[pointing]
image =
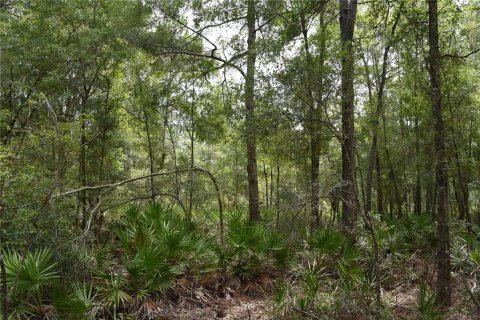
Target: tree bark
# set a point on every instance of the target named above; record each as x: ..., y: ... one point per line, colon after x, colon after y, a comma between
x: 443, y: 233
x: 348, y: 12
x: 253, y: 205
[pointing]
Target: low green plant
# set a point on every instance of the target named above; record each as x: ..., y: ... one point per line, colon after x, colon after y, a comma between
x: 250, y: 249
x: 27, y: 278
x: 113, y: 292
x: 426, y: 307
x: 81, y: 303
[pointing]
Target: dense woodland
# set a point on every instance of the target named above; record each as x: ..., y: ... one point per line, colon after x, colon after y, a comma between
x: 250, y: 159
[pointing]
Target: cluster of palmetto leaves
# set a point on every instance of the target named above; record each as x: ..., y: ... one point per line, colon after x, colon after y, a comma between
x: 154, y: 250
x: 329, y: 277
x: 28, y: 277
x: 335, y: 276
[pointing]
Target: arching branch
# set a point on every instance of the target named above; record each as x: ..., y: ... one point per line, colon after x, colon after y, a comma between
x: 109, y: 187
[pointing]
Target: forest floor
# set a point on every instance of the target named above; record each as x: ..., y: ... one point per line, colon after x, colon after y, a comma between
x: 401, y: 296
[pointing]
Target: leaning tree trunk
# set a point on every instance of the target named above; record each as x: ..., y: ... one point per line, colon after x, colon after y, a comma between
x: 253, y: 206
x: 348, y: 12
x: 443, y: 233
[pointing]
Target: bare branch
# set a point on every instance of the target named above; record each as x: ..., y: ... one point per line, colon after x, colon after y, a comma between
x: 454, y: 56
x: 225, y: 63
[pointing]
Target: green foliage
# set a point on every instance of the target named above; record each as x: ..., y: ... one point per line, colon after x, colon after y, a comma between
x: 158, y: 245
x: 28, y: 277
x: 427, y: 308
x: 30, y: 274
x: 81, y: 303
x: 326, y: 241
x: 113, y: 292
x: 251, y: 249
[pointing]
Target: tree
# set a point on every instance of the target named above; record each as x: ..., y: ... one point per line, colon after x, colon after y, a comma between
x: 253, y: 205
x: 348, y: 13
x: 444, y: 290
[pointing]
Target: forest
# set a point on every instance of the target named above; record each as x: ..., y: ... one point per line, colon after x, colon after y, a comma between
x: 239, y: 159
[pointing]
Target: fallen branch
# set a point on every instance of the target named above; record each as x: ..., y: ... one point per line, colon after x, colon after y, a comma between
x: 110, y: 186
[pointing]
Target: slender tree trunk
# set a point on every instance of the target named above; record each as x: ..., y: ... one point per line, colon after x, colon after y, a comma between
x: 265, y: 175
x: 277, y: 195
x: 271, y: 186
x: 98, y: 216
x: 151, y: 159
x: 392, y: 175
x: 237, y: 178
x: 417, y: 197
x: 253, y: 205
x: 163, y: 156
x: 381, y: 89
x: 192, y: 155
x: 5, y: 307
x: 82, y: 167
x: 443, y: 233
x: 461, y: 190
x: 390, y: 205
x: 348, y: 12
x: 313, y: 131
x: 429, y: 200
x: 380, y: 205
x: 459, y: 199
x: 175, y: 164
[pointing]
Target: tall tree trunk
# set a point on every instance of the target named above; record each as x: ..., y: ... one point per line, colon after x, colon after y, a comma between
x: 443, y: 233
x: 175, y: 164
x: 5, y: 307
x: 380, y: 205
x: 458, y: 198
x: 237, y: 178
x: 265, y: 175
x: 313, y: 129
x: 348, y: 13
x: 82, y: 166
x: 417, y: 190
x: 192, y: 155
x: 253, y: 205
x: 392, y: 175
x: 461, y: 191
x: 381, y: 89
x: 163, y: 156
x: 277, y: 193
x: 151, y: 159
x: 271, y: 186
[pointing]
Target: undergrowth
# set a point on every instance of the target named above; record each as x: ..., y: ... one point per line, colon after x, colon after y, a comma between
x: 154, y: 257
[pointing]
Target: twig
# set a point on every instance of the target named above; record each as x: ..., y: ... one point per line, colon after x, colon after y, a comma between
x: 454, y: 56
x: 307, y: 313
